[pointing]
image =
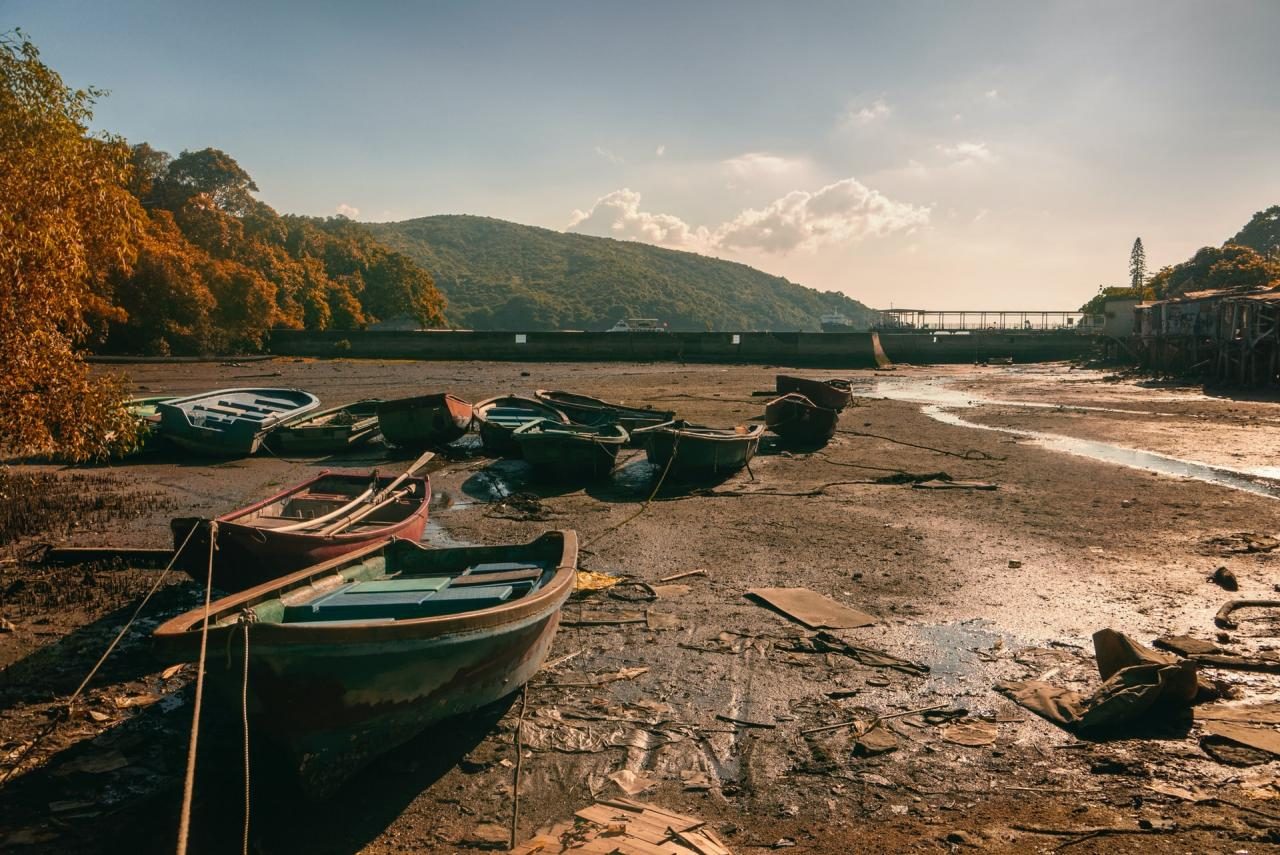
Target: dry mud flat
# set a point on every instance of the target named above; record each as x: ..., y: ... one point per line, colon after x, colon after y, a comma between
x: 710, y: 702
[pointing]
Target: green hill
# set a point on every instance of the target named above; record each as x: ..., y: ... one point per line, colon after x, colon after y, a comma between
x: 502, y: 275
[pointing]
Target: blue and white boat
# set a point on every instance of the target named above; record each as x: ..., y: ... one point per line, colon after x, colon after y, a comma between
x: 230, y: 422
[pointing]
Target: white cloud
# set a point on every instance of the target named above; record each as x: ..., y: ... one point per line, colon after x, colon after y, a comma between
x: 346, y: 210
x: 800, y: 220
x: 608, y: 155
x: 762, y: 164
x: 966, y: 153
x: 992, y: 94
x: 661, y: 150
x: 844, y: 211
x: 865, y: 115
x: 618, y: 215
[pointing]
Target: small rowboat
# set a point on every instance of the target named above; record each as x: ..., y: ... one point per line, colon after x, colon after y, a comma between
x: 831, y: 394
x: 231, y: 422
x: 565, y: 451
x: 797, y: 419
x: 699, y: 451
x: 326, y: 517
x: 585, y: 410
x: 426, y: 421
x: 328, y: 431
x: 351, y: 658
x: 499, y: 417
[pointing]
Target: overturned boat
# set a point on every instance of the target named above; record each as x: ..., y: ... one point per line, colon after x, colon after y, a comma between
x: 425, y: 421
x: 230, y: 422
x: 498, y: 419
x: 351, y: 658
x: 586, y: 410
x: 797, y: 419
x: 322, y: 518
x: 692, y: 451
x: 558, y: 450
x: 833, y: 394
x: 328, y: 431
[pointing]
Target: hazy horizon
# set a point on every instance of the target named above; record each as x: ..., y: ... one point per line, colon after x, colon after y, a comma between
x: 933, y: 155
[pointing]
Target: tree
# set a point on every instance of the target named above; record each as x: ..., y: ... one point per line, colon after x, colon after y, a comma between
x: 1230, y: 267
x: 66, y: 221
x: 213, y: 173
x: 1262, y: 233
x: 1137, y: 265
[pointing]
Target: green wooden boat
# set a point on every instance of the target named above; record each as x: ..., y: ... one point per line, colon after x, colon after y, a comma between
x: 328, y: 431
x: 586, y: 410
x: 696, y: 451
x: 499, y: 417
x: 556, y: 450
x: 426, y: 421
x: 351, y: 658
x: 231, y: 422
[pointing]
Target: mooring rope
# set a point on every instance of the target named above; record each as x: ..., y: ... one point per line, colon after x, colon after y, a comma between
x: 189, y: 784
x: 52, y: 725
x: 675, y: 447
x: 515, y: 789
x: 246, y: 618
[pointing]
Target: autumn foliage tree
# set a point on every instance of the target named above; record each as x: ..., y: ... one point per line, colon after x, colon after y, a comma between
x: 66, y: 221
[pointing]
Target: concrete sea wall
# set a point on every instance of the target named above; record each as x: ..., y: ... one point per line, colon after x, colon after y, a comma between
x: 843, y: 350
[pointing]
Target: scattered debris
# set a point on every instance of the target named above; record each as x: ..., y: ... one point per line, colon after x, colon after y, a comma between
x: 686, y: 574
x: 1268, y: 713
x: 973, y: 734
x: 825, y: 642
x: 604, y: 619
x: 811, y: 609
x: 625, y: 826
x: 1225, y: 579
x: 1223, y: 618
x: 668, y: 592
x: 1237, y: 663
x: 954, y: 485
x: 601, y: 679
x: 742, y: 722
x: 661, y: 620
x: 1243, y: 542
x: 1015, y: 564
x: 877, y: 740
x: 694, y: 780
x: 1136, y: 680
x: 631, y: 783
x: 1186, y: 645
x: 1257, y: 738
x: 7, y: 625
x: 589, y: 580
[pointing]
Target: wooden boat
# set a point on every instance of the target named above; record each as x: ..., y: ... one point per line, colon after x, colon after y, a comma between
x: 499, y: 417
x: 350, y: 658
x: 144, y: 410
x: 700, y: 451
x: 231, y: 422
x: 560, y: 450
x: 426, y: 421
x: 322, y: 518
x: 586, y: 410
x: 327, y: 431
x: 831, y: 394
x: 797, y: 419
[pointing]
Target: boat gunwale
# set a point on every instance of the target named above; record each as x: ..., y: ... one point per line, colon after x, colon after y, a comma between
x: 185, y: 628
x: 481, y: 407
x: 587, y: 402
x: 805, y: 401
x: 697, y: 432
x: 302, y: 420
x: 579, y: 433
x: 231, y: 518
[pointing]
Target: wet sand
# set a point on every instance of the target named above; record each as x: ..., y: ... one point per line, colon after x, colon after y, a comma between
x: 980, y: 586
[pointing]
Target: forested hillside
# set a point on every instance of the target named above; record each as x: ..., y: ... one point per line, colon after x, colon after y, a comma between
x: 502, y: 275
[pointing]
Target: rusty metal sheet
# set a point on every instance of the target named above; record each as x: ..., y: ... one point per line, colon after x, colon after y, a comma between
x: 811, y: 608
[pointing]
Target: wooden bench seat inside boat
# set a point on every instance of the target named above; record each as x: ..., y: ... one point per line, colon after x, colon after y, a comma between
x: 401, y: 598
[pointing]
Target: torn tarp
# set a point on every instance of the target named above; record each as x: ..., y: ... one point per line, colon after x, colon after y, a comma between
x: 1136, y: 679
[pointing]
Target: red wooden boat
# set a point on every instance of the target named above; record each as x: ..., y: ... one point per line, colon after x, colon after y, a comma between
x: 832, y: 394
x: 323, y: 518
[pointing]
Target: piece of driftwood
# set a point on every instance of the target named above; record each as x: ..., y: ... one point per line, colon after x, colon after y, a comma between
x: 1237, y: 663
x: 1223, y: 617
x: 627, y: 827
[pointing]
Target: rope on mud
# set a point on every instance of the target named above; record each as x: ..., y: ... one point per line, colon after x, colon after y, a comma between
x: 515, y: 789
x: 969, y: 454
x: 675, y: 447
x: 189, y: 784
x: 52, y: 725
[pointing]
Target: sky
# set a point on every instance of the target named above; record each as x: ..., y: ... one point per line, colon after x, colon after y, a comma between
x: 933, y: 155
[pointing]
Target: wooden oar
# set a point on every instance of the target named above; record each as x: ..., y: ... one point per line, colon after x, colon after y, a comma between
x: 366, y: 511
x: 367, y: 495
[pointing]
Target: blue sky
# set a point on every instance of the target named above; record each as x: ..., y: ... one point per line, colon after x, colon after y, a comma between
x: 926, y: 154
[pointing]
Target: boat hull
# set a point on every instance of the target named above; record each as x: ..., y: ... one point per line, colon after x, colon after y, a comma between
x: 248, y: 555
x: 499, y: 439
x: 585, y: 410
x: 334, y: 709
x: 426, y: 421
x: 230, y: 422
x: 559, y: 456
x: 821, y: 392
x: 797, y: 419
x: 699, y: 457
x: 313, y: 435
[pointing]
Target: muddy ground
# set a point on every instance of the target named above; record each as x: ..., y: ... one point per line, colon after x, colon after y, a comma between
x: 980, y: 586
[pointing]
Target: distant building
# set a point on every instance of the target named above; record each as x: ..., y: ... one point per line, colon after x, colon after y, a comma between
x: 836, y: 322
x: 652, y: 325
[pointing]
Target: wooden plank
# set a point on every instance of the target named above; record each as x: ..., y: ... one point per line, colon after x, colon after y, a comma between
x: 811, y: 608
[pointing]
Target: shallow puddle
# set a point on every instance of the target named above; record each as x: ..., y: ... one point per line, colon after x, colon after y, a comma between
x: 940, y: 402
